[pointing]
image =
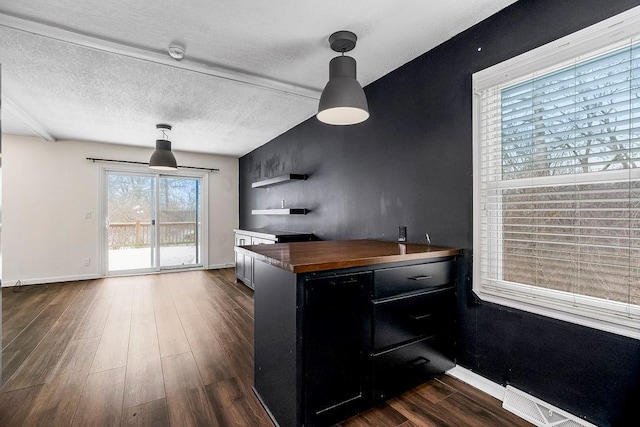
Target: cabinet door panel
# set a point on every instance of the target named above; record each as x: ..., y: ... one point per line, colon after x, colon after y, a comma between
x: 249, y: 271
x: 335, y: 323
x: 244, y: 263
x: 240, y: 266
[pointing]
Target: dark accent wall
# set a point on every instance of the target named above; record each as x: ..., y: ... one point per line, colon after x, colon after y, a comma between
x: 410, y: 164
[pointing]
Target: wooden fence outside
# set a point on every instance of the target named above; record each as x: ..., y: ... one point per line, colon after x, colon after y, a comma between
x: 138, y: 234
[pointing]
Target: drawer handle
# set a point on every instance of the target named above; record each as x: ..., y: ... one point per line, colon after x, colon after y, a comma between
x: 343, y: 282
x: 420, y: 361
x: 420, y: 316
x: 420, y: 278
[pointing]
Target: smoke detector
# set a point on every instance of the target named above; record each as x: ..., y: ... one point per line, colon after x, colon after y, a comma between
x: 176, y: 52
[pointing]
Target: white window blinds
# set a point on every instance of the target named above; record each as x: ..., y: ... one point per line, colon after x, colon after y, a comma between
x: 558, y: 158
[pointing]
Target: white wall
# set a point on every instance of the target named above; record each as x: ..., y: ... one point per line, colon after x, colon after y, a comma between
x: 48, y: 187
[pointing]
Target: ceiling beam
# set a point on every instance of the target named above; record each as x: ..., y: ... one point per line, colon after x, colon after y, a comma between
x: 158, y: 57
x: 10, y: 107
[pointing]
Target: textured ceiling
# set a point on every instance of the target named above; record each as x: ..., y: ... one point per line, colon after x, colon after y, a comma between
x: 67, y: 90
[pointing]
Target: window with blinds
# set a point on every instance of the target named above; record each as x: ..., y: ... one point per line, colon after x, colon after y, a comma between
x: 557, y: 190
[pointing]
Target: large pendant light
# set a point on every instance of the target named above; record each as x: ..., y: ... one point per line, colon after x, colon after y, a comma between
x: 343, y: 101
x: 163, y: 158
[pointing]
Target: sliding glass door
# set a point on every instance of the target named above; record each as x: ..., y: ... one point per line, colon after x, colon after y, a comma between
x: 179, y: 222
x: 152, y: 222
x: 130, y: 222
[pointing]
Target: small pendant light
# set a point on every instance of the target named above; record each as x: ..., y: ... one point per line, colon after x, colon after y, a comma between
x: 163, y: 158
x: 343, y: 101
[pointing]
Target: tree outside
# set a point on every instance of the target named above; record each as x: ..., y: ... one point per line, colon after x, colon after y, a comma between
x: 579, y: 236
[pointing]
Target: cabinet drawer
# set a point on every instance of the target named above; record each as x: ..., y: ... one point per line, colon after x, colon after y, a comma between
x: 397, y: 280
x: 410, y: 317
x: 260, y: 241
x: 403, y: 368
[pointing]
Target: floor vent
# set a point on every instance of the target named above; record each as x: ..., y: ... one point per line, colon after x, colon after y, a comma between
x: 538, y: 412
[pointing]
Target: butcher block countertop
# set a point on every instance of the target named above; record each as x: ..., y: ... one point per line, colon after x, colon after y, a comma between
x: 305, y: 257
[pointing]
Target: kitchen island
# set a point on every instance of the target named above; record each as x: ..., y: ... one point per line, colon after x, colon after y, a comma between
x: 340, y: 325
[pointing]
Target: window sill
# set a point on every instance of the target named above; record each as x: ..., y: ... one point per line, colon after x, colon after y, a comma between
x: 590, y: 317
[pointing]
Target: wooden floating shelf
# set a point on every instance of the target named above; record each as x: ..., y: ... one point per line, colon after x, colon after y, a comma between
x: 279, y: 179
x: 286, y: 211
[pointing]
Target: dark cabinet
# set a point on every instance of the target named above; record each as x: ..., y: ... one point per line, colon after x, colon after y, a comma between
x: 359, y: 348
x: 335, y: 330
x: 329, y: 344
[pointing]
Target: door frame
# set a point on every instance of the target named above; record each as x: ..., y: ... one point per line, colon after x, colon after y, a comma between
x: 103, y: 251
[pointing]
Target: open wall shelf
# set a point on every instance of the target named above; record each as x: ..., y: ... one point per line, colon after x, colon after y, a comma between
x: 278, y: 180
x: 286, y: 211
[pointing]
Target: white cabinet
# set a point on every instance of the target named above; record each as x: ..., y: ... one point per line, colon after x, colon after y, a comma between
x: 244, y: 263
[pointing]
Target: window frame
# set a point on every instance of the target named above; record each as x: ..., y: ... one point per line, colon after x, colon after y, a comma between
x: 104, y: 168
x: 591, y: 312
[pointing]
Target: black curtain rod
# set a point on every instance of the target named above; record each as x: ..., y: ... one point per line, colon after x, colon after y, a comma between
x: 93, y: 159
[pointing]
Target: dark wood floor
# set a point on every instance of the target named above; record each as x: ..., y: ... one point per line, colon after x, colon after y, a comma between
x: 172, y: 349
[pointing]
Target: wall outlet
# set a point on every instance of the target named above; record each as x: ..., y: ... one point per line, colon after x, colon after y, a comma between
x: 402, y: 234
x: 86, y: 262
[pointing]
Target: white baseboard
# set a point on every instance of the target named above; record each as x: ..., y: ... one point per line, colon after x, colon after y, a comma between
x: 477, y: 381
x: 219, y: 266
x: 45, y: 280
